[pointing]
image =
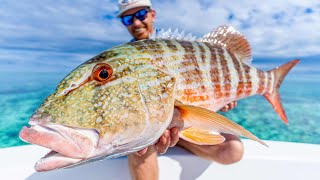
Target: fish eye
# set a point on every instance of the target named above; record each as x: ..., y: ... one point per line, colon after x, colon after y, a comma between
x: 102, y: 72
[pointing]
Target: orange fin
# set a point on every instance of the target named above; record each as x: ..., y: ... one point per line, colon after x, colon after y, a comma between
x: 209, y: 121
x: 233, y: 40
x: 274, y: 97
x: 201, y: 137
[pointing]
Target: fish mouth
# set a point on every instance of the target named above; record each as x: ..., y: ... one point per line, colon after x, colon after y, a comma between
x: 68, y: 145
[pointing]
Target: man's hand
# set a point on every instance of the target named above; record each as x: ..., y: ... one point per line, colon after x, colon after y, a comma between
x: 168, y: 139
x: 229, y: 106
x: 171, y: 135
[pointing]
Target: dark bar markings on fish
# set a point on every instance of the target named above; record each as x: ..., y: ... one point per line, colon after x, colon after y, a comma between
x: 248, y: 83
x: 152, y: 46
x: 236, y: 63
x: 261, y: 76
x: 269, y: 87
x: 225, y: 81
x: 171, y: 46
x: 215, y: 72
x: 195, y: 75
x: 202, y: 80
x: 206, y: 70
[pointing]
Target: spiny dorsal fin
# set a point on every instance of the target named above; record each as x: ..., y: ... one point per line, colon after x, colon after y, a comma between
x: 168, y: 34
x: 229, y: 37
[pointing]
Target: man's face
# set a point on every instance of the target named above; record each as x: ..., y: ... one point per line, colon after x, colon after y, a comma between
x: 141, y: 29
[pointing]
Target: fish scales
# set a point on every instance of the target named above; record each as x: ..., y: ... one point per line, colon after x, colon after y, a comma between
x: 207, y: 74
x: 123, y: 99
x: 205, y: 61
x: 193, y: 80
x: 232, y: 73
x: 223, y: 74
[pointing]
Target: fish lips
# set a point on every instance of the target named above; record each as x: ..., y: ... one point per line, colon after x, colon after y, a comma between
x: 69, y: 145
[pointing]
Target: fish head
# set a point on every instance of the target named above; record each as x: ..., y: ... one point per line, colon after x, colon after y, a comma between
x: 111, y: 105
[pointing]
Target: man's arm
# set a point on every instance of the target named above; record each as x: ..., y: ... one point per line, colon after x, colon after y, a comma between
x: 144, y: 167
x: 228, y: 152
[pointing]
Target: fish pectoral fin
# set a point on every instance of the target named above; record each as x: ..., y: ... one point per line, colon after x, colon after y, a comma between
x: 209, y: 121
x: 201, y: 137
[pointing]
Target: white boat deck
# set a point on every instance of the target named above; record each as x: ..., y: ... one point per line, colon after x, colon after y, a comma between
x: 281, y: 160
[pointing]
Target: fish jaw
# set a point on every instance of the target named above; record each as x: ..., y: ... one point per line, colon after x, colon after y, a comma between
x: 54, y: 160
x: 64, y: 140
x: 69, y: 145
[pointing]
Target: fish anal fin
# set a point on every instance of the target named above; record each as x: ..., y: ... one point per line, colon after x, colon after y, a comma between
x: 201, y: 137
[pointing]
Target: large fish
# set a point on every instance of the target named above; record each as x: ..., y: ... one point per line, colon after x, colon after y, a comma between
x: 122, y: 100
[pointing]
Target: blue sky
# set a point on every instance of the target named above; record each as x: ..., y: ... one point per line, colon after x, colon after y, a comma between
x: 57, y: 35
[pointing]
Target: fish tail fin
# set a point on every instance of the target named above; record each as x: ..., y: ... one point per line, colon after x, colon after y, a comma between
x: 274, y: 97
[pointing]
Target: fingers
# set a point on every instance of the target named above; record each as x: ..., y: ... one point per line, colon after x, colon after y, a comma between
x: 142, y: 151
x: 170, y: 137
x: 225, y: 108
x: 229, y: 106
x: 164, y: 142
x: 233, y: 105
x: 177, y: 121
x: 174, y: 136
x: 231, y: 137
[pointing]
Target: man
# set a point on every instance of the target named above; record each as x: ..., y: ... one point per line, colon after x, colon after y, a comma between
x: 130, y: 11
x: 138, y: 17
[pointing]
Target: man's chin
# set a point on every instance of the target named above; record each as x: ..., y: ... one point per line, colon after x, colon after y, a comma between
x: 141, y: 36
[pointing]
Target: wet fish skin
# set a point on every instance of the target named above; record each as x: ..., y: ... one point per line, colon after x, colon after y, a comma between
x: 134, y: 105
x: 122, y: 110
x: 211, y: 76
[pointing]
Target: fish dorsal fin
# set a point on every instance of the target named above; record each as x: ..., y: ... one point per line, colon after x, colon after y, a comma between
x: 169, y: 34
x: 233, y: 40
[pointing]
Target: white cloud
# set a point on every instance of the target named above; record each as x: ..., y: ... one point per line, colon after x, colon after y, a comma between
x: 40, y: 61
x: 36, y: 29
x: 274, y: 28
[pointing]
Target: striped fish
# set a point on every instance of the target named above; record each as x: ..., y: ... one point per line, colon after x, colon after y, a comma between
x: 122, y: 100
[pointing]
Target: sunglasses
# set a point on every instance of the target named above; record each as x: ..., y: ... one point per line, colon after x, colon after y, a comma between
x: 141, y: 15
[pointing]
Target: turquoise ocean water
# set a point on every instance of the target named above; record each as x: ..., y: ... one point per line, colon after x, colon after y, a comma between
x: 21, y: 93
